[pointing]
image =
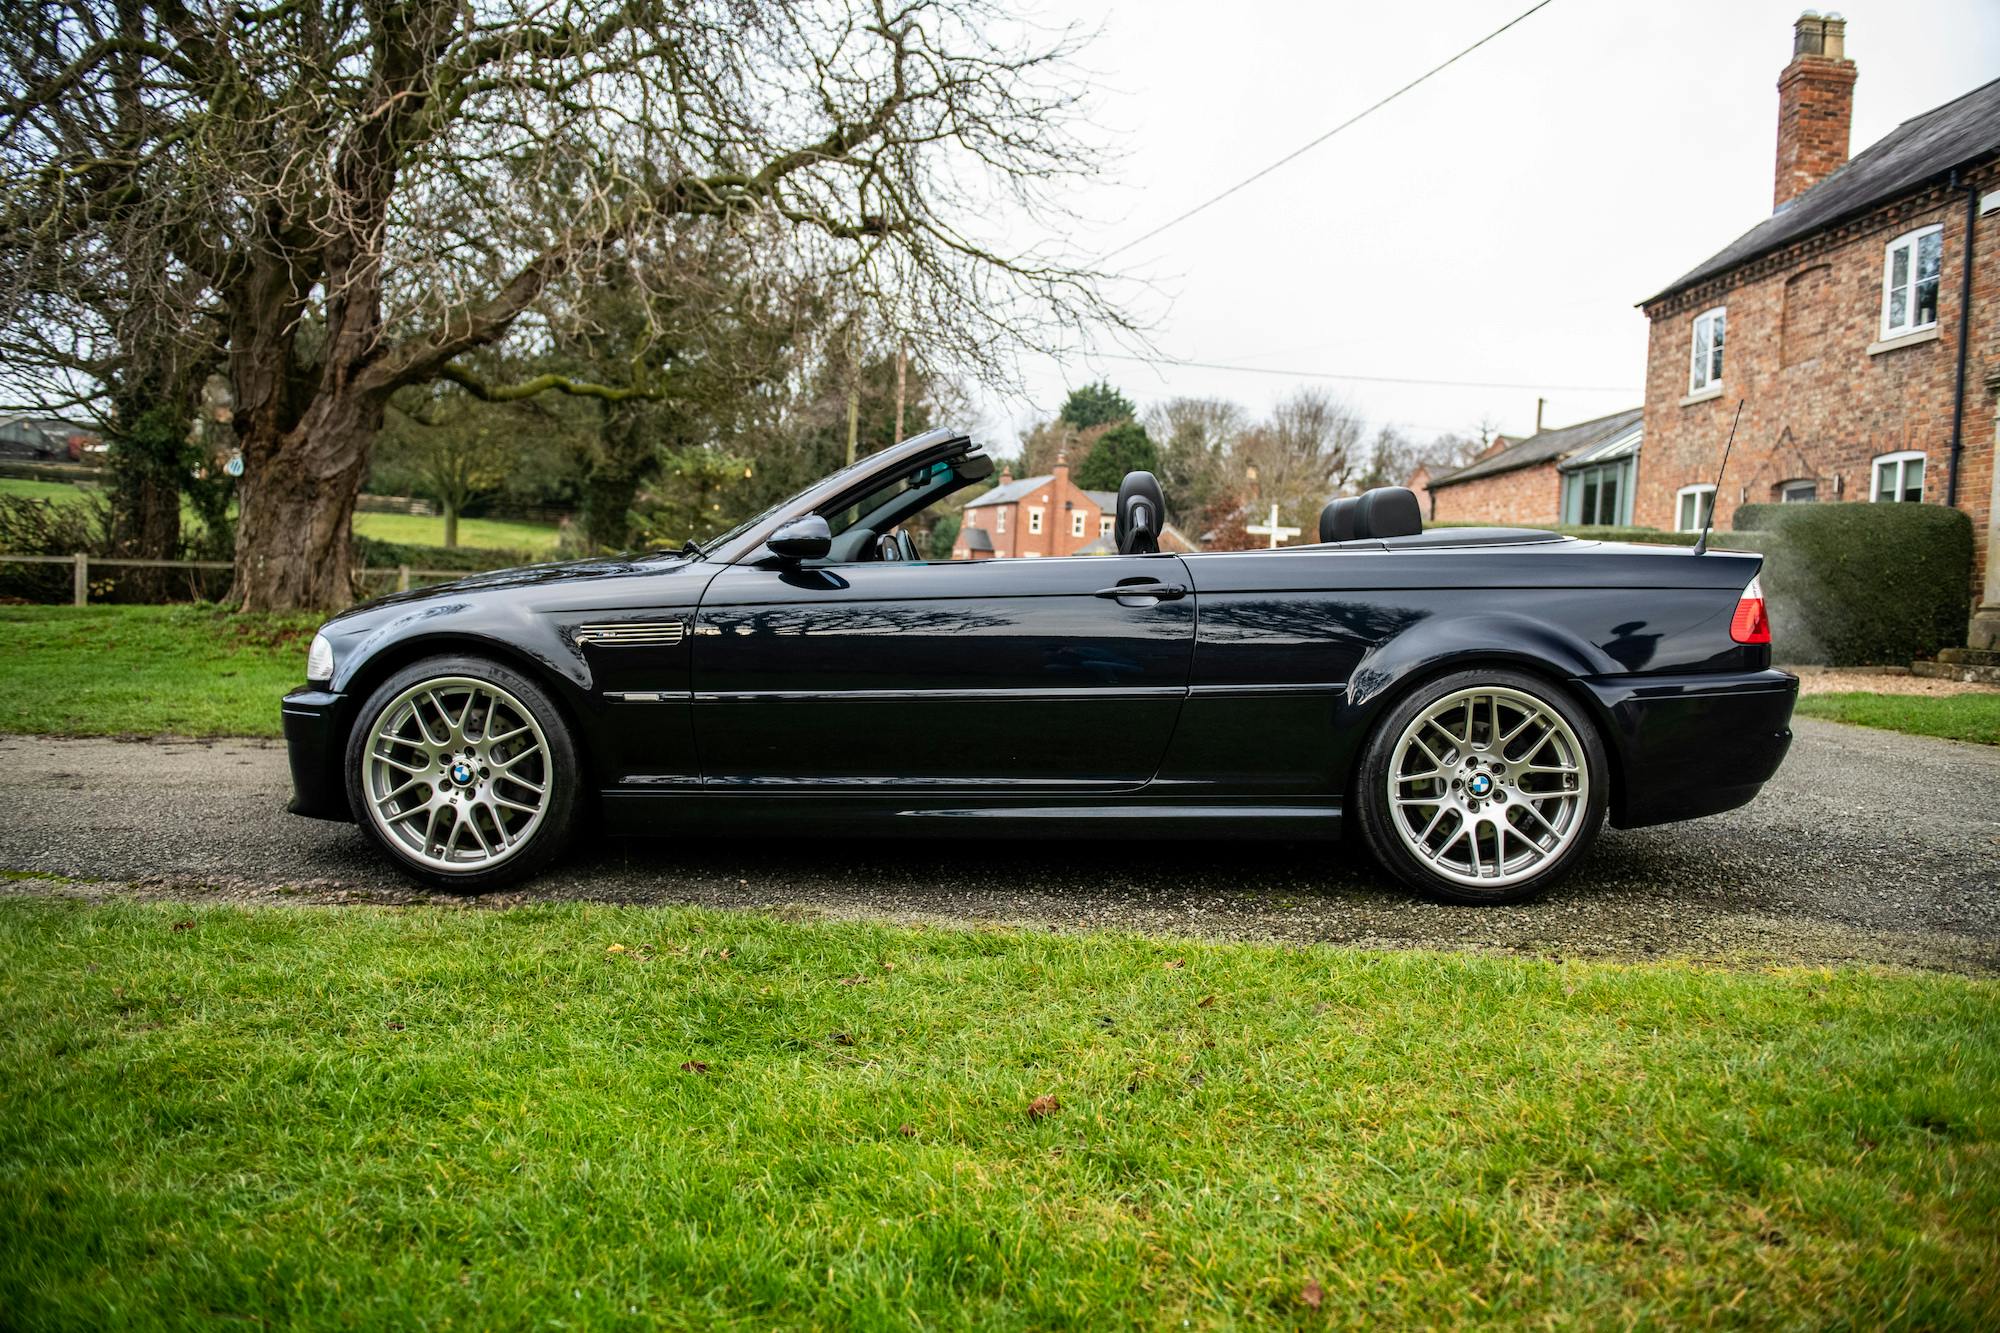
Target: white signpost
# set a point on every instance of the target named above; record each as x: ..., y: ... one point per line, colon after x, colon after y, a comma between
x: 1278, y: 535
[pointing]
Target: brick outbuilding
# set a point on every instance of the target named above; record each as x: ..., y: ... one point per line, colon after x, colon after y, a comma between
x: 1569, y: 474
x: 1859, y: 324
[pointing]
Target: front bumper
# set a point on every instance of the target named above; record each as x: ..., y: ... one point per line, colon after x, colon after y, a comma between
x: 1693, y: 745
x: 315, y: 729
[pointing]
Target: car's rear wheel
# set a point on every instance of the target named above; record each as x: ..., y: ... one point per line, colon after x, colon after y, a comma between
x: 463, y: 772
x: 1482, y: 786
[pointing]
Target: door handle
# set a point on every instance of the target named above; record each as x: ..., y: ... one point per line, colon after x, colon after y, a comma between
x: 1164, y: 592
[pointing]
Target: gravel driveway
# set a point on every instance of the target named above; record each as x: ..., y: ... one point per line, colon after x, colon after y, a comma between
x: 1868, y: 847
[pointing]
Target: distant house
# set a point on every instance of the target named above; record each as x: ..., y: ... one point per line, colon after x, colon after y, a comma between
x: 1570, y: 474
x: 44, y: 439
x: 1035, y: 516
x: 1859, y: 324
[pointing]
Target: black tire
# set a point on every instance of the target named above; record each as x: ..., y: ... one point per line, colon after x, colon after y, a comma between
x: 486, y: 797
x: 1579, y: 821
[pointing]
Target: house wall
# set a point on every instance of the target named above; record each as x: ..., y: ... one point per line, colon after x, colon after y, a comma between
x: 1527, y: 495
x: 1058, y: 500
x: 1818, y: 403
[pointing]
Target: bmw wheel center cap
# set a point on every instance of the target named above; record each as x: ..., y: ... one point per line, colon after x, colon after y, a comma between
x: 1479, y: 786
x: 461, y: 773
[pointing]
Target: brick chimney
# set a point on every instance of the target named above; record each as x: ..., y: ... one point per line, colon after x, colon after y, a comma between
x: 1815, y: 106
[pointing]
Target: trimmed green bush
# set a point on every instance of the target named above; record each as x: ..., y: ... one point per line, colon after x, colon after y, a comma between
x: 1864, y: 584
x: 374, y: 554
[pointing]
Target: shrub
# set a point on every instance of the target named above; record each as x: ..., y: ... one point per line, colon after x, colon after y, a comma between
x: 1864, y: 584
x: 372, y: 554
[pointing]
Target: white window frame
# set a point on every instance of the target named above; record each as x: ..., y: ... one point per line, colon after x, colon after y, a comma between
x: 1910, y: 241
x: 1104, y: 525
x: 1000, y: 520
x: 1076, y: 519
x: 1034, y: 518
x: 1901, y: 460
x: 1785, y: 489
x: 1703, y: 376
x: 1680, y: 504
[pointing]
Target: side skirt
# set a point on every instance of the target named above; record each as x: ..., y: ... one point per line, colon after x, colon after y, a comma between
x: 873, y: 815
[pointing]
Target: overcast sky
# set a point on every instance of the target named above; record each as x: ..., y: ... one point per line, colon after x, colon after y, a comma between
x: 1497, y: 224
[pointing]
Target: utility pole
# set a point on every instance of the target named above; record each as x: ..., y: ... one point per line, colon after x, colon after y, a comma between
x: 853, y: 399
x: 902, y: 374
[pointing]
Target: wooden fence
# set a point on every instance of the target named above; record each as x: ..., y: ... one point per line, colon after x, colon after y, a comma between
x: 80, y: 585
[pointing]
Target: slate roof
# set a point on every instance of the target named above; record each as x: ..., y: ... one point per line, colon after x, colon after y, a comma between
x: 1026, y: 486
x: 1548, y: 446
x: 976, y: 539
x: 1920, y: 151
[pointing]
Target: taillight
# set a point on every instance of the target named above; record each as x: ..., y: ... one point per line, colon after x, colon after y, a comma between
x: 1751, y: 623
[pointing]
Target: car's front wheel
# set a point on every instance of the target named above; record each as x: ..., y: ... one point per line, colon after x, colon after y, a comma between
x: 463, y: 772
x: 1482, y: 786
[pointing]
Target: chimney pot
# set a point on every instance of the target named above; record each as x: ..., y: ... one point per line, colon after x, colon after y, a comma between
x: 1815, y: 106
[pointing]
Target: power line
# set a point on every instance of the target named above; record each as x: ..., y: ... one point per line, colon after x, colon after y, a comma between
x: 1303, y: 149
x: 1364, y: 379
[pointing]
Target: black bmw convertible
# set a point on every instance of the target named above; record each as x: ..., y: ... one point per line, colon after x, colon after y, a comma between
x: 1471, y: 704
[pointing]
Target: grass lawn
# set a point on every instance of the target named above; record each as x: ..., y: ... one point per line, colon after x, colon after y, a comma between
x: 486, y: 533
x: 406, y: 529
x: 1958, y: 717
x: 186, y: 670
x: 586, y: 1116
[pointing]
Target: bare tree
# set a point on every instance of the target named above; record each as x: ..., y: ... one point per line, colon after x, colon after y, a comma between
x: 352, y: 195
x: 1304, y: 454
x: 1195, y: 437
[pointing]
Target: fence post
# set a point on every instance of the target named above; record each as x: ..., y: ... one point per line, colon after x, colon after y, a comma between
x: 402, y: 578
x: 80, y: 588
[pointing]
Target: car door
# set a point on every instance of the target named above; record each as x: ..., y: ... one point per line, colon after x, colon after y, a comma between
x: 982, y: 676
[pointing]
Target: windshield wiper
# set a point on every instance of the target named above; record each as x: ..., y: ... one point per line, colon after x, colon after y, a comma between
x: 692, y: 549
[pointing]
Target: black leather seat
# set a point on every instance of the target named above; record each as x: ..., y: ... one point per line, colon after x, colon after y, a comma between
x: 1336, y: 521
x: 1141, y: 516
x: 1386, y: 511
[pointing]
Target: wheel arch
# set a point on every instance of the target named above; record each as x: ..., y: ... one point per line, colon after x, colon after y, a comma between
x: 395, y: 656
x: 1382, y: 680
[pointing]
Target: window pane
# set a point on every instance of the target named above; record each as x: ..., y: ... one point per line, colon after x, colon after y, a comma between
x: 1930, y: 250
x: 1899, y: 308
x: 1913, y: 479
x: 1899, y: 266
x: 1715, y: 372
x: 1607, y: 500
x: 1927, y: 290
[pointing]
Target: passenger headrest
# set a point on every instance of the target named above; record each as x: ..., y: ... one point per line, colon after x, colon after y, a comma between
x: 1142, y: 514
x: 1336, y: 521
x: 1388, y: 511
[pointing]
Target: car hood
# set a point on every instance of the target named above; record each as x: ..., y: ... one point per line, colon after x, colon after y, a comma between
x: 523, y: 576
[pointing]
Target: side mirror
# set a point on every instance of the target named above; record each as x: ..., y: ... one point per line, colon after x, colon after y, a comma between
x: 804, y: 538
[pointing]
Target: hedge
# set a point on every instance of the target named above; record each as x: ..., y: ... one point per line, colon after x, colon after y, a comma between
x: 370, y: 553
x: 1863, y: 584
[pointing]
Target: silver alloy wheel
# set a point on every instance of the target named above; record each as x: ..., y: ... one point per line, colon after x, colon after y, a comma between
x: 1488, y: 786
x: 457, y: 774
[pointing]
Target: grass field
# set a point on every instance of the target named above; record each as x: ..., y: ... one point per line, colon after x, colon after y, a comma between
x: 185, y: 670
x: 1958, y: 717
x: 408, y: 529
x: 588, y: 1116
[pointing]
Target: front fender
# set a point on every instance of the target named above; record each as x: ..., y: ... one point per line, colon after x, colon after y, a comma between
x: 511, y: 631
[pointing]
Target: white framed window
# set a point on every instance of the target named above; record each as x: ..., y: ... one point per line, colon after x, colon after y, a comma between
x: 1034, y: 518
x: 1076, y: 519
x: 1104, y: 524
x: 1705, y: 358
x: 1898, y: 477
x: 1910, y: 282
x: 1805, y: 491
x: 1692, y: 505
x: 1000, y: 519
x: 1032, y: 555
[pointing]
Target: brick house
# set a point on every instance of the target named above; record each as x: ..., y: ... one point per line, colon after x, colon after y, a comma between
x: 1567, y: 474
x: 1035, y: 516
x: 1857, y: 323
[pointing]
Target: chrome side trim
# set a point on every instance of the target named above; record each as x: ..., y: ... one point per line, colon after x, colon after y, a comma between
x: 1249, y: 691
x: 631, y: 634
x: 1031, y: 695
x: 647, y: 696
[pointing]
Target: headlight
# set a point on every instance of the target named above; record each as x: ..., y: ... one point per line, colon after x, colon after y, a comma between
x: 319, y: 661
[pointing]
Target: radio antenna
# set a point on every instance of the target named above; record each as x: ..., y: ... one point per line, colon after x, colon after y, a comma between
x: 1708, y: 519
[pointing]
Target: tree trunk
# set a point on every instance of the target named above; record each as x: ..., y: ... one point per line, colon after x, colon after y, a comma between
x: 294, y: 548
x: 451, y: 527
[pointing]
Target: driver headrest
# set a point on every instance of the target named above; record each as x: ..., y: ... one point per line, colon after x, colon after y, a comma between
x: 1388, y: 511
x: 1336, y: 521
x: 1142, y: 514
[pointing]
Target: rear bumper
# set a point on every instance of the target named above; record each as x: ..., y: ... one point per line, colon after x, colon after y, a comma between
x: 314, y: 729
x: 1693, y: 745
